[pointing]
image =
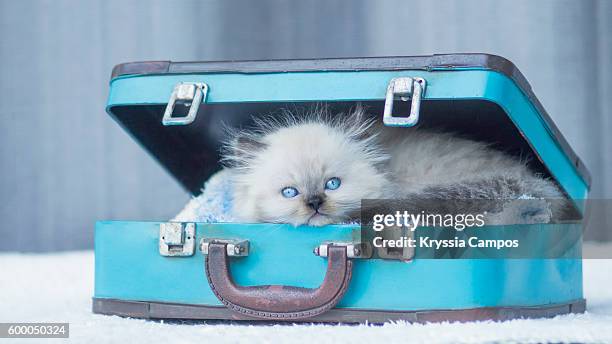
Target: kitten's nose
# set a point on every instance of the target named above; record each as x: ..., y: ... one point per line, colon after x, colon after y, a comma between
x: 315, y: 202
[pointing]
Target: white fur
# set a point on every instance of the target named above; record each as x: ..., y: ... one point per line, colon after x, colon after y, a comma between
x: 305, y: 153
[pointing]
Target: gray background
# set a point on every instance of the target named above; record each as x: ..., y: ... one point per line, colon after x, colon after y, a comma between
x: 64, y: 164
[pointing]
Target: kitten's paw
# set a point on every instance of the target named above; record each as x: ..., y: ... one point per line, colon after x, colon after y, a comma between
x: 521, y: 211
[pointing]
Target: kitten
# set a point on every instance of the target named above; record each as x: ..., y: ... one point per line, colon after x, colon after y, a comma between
x: 315, y: 170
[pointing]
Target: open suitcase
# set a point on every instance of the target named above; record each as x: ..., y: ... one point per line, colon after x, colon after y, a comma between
x: 165, y: 270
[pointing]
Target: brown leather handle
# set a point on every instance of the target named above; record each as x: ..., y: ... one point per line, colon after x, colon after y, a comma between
x: 278, y: 302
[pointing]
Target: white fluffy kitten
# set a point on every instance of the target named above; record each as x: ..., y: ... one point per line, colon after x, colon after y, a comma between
x: 315, y: 170
x: 305, y: 171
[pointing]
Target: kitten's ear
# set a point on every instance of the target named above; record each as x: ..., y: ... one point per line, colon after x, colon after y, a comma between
x: 249, y: 143
x: 358, y: 125
x: 241, y: 149
x: 359, y: 112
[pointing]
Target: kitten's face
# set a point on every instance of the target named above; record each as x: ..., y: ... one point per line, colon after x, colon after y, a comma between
x: 309, y: 173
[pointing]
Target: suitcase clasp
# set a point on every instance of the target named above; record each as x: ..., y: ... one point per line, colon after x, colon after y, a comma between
x: 190, y: 94
x: 403, y: 89
x: 176, y: 239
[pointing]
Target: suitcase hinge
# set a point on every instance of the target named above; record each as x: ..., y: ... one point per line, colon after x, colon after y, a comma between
x: 176, y: 239
x: 404, y: 88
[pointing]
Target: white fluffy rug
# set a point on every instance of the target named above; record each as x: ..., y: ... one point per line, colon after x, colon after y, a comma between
x: 58, y: 288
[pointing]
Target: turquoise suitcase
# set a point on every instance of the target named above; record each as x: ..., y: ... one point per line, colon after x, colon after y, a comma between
x: 236, y: 271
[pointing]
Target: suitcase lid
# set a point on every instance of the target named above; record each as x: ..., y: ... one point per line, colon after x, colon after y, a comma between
x: 190, y: 153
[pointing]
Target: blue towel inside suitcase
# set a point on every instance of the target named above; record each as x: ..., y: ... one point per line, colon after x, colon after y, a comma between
x: 213, y: 205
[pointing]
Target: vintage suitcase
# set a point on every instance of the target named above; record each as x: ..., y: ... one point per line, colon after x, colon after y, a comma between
x: 165, y: 270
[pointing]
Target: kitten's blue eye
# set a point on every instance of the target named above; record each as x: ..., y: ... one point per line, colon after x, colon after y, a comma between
x: 332, y: 183
x: 289, y: 192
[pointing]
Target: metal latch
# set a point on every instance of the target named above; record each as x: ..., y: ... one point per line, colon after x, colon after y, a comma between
x: 405, y: 254
x: 190, y: 94
x: 176, y: 239
x: 353, y: 250
x: 234, y: 247
x: 404, y: 89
